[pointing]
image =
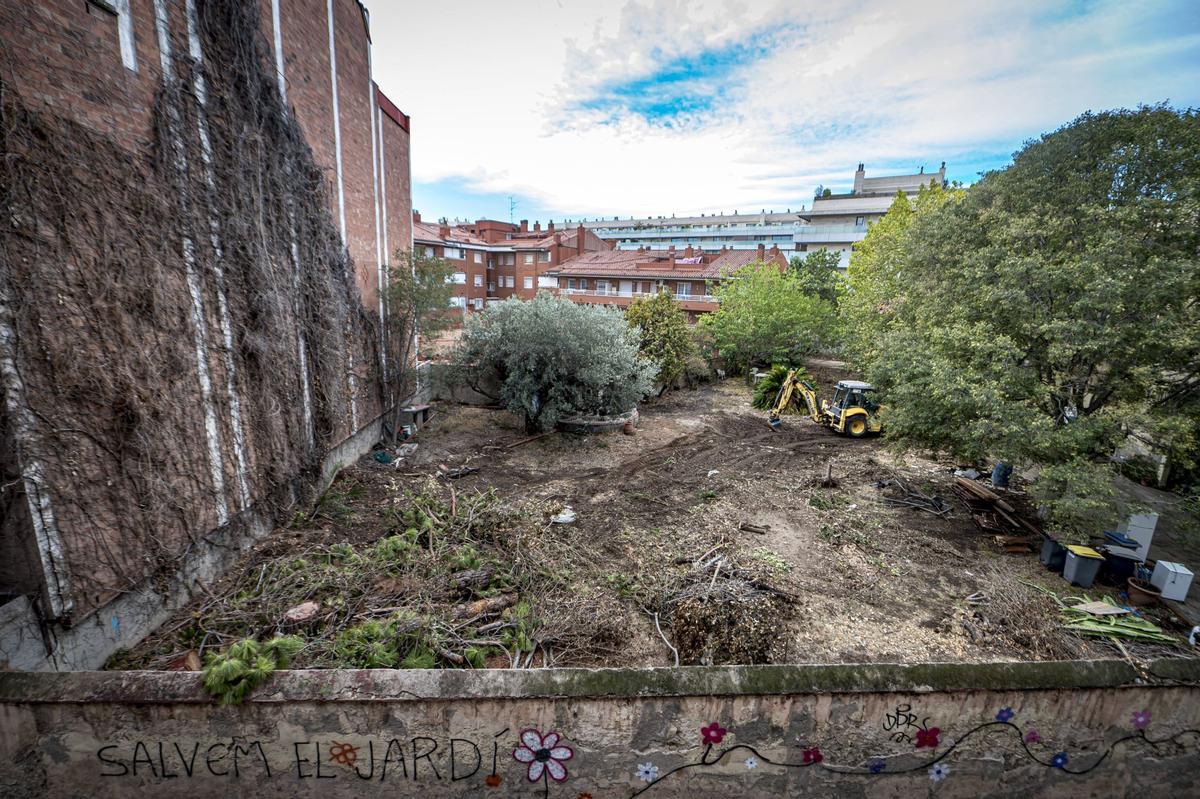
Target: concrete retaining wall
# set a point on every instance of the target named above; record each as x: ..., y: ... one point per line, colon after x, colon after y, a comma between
x: 1032, y: 729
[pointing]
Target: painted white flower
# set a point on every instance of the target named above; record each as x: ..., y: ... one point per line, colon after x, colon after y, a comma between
x: 543, y: 754
x: 647, y: 772
x: 939, y: 772
x: 751, y: 762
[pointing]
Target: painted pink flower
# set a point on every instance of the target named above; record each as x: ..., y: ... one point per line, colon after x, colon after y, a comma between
x: 1032, y: 737
x: 1140, y: 719
x: 928, y: 737
x: 543, y: 754
x: 812, y: 755
x: 713, y: 733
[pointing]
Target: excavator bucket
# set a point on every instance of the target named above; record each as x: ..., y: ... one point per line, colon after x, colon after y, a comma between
x: 776, y: 423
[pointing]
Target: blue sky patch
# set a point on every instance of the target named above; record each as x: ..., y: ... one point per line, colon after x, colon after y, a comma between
x: 682, y: 86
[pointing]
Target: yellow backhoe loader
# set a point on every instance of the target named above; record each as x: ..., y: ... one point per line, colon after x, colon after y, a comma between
x: 853, y: 412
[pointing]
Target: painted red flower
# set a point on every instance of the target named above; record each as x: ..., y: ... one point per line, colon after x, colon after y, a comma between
x: 713, y: 734
x: 928, y: 737
x: 1032, y: 737
x: 812, y: 755
x: 493, y: 780
x: 543, y: 754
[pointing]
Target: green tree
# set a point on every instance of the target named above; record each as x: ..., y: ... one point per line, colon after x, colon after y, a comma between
x: 418, y: 302
x: 819, y: 274
x: 666, y: 337
x: 547, y: 358
x: 1051, y: 310
x: 875, y: 288
x: 765, y: 316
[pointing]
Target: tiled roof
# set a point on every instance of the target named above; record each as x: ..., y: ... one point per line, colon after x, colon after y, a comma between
x: 427, y: 232
x: 631, y: 263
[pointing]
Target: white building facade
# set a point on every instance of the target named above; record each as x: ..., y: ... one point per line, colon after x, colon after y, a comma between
x: 835, y: 222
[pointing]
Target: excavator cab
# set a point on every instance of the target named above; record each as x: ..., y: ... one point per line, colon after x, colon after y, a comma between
x: 854, y: 410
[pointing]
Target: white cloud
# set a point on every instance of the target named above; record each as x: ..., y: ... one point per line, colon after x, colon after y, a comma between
x: 492, y: 88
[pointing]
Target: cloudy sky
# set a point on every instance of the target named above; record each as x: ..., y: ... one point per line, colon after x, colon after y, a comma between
x: 582, y: 109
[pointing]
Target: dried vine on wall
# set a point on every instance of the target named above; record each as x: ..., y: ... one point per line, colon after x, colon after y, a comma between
x: 94, y: 250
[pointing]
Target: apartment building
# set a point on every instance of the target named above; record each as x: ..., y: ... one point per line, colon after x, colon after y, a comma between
x: 839, y: 221
x: 618, y: 277
x: 495, y: 260
x: 835, y: 221
x: 707, y: 233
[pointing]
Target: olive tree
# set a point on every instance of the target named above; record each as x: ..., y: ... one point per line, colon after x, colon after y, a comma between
x: 547, y: 358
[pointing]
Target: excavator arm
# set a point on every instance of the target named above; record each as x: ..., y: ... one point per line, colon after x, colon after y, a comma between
x: 790, y: 390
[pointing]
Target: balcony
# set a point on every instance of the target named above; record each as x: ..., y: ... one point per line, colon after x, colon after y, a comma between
x: 689, y: 302
x: 830, y: 234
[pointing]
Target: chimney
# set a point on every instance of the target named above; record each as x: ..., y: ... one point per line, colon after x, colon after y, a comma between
x: 537, y: 227
x: 444, y: 230
x: 550, y: 226
x: 580, y: 239
x: 859, y: 176
x: 524, y: 225
x: 761, y: 252
x: 774, y: 250
x: 671, y: 249
x: 416, y: 215
x: 557, y: 237
x: 942, y: 172
x: 688, y: 252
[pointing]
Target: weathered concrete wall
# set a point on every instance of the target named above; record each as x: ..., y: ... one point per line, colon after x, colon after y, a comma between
x: 1028, y: 729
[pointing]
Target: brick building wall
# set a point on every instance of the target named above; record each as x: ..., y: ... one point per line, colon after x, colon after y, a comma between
x: 225, y: 453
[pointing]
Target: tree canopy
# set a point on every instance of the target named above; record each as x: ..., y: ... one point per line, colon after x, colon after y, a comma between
x: 547, y: 358
x: 820, y: 274
x: 665, y: 336
x: 1048, y: 310
x: 766, y: 316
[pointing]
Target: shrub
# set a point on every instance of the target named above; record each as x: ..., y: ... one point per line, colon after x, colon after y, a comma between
x: 553, y: 358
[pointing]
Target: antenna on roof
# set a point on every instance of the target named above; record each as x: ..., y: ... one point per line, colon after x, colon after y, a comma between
x: 512, y: 206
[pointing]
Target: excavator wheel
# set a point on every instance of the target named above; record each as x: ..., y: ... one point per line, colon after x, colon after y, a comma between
x: 856, y: 426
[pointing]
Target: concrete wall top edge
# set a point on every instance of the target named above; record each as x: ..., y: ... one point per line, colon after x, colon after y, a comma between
x: 377, y: 685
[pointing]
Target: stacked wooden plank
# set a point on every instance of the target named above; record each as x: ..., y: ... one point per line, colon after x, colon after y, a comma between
x: 993, y: 514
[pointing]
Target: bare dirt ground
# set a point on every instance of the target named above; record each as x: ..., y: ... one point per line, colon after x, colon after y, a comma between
x: 837, y: 576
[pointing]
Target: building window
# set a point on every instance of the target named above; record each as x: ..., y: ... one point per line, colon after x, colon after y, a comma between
x: 429, y: 252
x: 602, y: 286
x: 458, y: 302
x: 478, y: 257
x: 491, y: 288
x: 803, y: 248
x: 858, y: 220
x: 453, y: 252
x: 460, y: 278
x: 478, y: 280
x: 478, y: 302
x: 528, y: 283
x: 683, y: 289
x: 528, y: 257
x: 544, y: 257
x: 570, y: 283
